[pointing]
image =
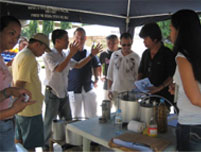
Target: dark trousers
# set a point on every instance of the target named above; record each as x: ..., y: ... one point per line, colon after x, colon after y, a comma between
x: 188, y: 137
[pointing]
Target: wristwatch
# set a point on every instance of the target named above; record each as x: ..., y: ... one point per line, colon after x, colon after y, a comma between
x: 5, y: 94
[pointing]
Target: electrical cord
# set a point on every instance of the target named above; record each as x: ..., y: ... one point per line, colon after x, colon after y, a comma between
x: 145, y: 96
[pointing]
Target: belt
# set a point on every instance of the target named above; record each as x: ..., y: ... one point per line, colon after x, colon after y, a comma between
x: 48, y: 88
x: 6, y: 120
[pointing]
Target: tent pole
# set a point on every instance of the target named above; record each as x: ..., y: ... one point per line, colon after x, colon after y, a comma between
x: 127, y: 16
x: 127, y: 24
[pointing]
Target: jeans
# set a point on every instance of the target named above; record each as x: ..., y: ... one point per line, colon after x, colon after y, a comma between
x: 188, y: 137
x: 7, y: 133
x: 30, y: 131
x: 54, y: 106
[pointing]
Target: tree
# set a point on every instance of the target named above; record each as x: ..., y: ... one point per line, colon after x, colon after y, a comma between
x: 48, y: 27
x: 165, y: 30
x: 30, y: 30
x: 65, y: 25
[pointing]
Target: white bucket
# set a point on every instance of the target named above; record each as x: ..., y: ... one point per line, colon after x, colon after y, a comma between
x: 71, y: 137
x: 58, y: 129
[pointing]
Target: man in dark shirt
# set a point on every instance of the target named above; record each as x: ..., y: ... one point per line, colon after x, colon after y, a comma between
x: 112, y: 44
x: 157, y: 63
x: 80, y: 80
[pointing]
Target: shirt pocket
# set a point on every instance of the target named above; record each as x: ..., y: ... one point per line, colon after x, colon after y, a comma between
x: 195, y: 133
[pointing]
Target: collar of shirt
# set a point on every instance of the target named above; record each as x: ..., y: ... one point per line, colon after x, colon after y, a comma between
x: 55, y: 51
x: 109, y: 52
x: 159, y: 51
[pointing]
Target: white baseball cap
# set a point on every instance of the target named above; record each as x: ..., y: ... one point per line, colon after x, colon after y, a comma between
x: 43, y: 39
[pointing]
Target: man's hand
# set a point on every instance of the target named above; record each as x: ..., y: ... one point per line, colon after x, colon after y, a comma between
x: 154, y: 89
x: 74, y: 47
x: 19, y: 104
x: 96, y: 49
x: 17, y: 92
x: 110, y: 95
x: 95, y: 84
x: 171, y: 88
x: 103, y: 78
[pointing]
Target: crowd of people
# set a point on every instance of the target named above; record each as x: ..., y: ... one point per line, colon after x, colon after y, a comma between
x: 70, y: 86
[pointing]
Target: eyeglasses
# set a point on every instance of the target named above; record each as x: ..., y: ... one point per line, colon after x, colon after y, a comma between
x: 123, y: 45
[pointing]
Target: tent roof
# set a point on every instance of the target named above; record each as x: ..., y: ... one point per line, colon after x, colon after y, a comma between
x: 122, y: 13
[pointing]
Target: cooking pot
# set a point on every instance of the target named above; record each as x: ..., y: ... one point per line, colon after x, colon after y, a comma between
x: 129, y: 105
x: 146, y: 111
x: 71, y: 137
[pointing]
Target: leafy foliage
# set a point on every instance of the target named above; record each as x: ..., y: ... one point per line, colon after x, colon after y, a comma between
x: 30, y: 30
x: 65, y: 25
x: 48, y: 27
x: 165, y: 29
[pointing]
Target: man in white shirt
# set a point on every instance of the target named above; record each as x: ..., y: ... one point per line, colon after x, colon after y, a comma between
x: 57, y: 66
x: 123, y: 69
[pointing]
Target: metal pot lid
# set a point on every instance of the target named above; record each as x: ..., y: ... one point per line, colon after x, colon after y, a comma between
x: 146, y: 103
x: 130, y: 96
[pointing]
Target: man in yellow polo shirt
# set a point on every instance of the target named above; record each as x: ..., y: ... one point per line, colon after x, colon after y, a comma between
x: 29, y: 124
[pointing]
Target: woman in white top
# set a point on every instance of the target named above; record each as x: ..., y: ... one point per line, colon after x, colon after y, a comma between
x: 186, y: 36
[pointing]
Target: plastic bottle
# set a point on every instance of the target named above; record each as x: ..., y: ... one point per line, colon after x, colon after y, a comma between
x: 118, y: 122
x: 152, y: 128
x: 162, y: 117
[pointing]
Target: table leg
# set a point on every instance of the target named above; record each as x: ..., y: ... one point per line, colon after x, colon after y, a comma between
x: 86, y: 144
x: 51, y: 142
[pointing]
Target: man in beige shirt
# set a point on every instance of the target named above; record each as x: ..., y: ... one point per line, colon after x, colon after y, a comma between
x: 29, y: 122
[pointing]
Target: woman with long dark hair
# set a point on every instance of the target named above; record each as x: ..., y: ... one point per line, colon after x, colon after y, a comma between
x: 10, y: 29
x: 186, y: 36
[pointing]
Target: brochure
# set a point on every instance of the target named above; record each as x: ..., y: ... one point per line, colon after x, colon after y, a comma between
x: 143, y: 85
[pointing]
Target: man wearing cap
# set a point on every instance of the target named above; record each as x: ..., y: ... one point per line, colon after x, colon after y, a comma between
x: 29, y: 124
